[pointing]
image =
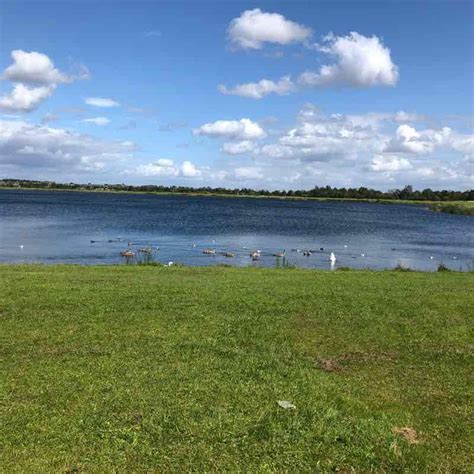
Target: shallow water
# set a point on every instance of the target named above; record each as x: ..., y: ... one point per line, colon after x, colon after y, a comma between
x: 57, y: 227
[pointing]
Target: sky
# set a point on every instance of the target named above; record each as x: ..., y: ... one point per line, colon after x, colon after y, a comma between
x: 273, y: 95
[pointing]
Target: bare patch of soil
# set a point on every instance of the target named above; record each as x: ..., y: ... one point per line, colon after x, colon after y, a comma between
x: 408, y: 434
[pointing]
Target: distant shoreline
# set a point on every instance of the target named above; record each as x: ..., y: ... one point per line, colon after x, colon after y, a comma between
x: 450, y: 207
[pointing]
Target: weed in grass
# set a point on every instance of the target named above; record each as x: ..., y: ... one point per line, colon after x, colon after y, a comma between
x: 443, y: 268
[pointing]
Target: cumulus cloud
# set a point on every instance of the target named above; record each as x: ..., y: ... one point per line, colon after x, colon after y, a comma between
x: 34, y: 68
x: 100, y: 121
x: 317, y: 137
x: 360, y: 61
x: 389, y: 163
x: 35, y: 79
x: 258, y: 90
x: 253, y: 28
x: 101, y: 102
x: 249, y: 172
x: 167, y: 168
x: 25, y: 99
x: 237, y: 148
x: 243, y: 129
x: 409, y: 140
x: 26, y: 146
x: 189, y: 170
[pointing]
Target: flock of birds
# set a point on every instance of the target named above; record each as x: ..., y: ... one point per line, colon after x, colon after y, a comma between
x: 131, y: 251
x: 255, y: 255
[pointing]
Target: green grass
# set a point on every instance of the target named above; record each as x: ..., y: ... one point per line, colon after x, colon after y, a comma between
x: 454, y: 207
x: 145, y: 368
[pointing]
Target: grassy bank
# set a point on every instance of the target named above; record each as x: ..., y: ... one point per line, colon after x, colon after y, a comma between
x: 451, y: 207
x: 455, y: 207
x: 169, y: 369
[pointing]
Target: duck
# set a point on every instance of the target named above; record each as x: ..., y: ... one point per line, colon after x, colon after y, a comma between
x: 228, y: 254
x: 146, y: 250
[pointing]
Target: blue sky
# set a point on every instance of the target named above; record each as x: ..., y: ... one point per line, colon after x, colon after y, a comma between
x: 387, y: 98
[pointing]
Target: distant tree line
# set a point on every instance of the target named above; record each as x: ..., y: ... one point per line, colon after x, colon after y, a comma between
x: 407, y: 193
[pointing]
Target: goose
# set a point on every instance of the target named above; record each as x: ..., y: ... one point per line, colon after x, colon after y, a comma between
x: 280, y: 254
x: 332, y: 258
x: 255, y: 255
x: 209, y: 251
x: 127, y: 253
x: 146, y: 250
x: 307, y: 253
x: 228, y: 254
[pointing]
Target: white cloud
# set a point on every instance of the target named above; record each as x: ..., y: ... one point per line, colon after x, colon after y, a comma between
x: 237, y: 148
x: 101, y: 102
x: 162, y: 167
x: 318, y: 137
x: 257, y: 90
x: 167, y: 168
x: 27, y: 146
x: 361, y: 61
x: 100, y: 121
x: 189, y: 170
x: 35, y: 79
x: 409, y: 140
x: 249, y: 172
x: 389, y: 163
x: 243, y: 129
x: 34, y: 68
x: 253, y: 28
x: 25, y: 99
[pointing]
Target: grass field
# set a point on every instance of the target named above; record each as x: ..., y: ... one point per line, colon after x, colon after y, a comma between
x: 142, y: 369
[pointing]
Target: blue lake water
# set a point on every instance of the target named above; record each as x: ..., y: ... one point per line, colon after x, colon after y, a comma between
x: 58, y: 227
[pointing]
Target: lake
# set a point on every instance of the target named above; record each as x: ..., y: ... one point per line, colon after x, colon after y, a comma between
x: 58, y: 227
